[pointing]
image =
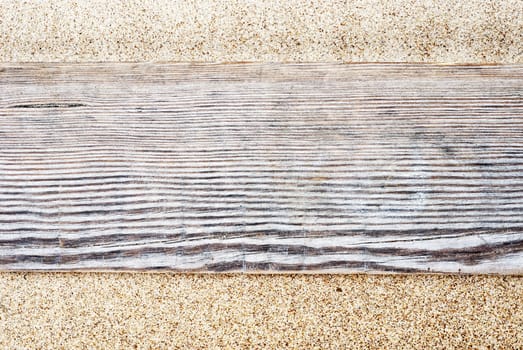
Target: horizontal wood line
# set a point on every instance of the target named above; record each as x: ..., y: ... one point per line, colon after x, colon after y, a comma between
x: 331, y: 177
x: 241, y: 225
x: 461, y: 152
x: 278, y: 163
x: 291, y: 243
x: 352, y: 238
x: 362, y: 117
x: 191, y: 203
x: 447, y: 157
x: 230, y: 94
x: 287, y: 116
x: 286, y: 144
x: 205, y: 219
x: 142, y: 103
x: 201, y: 113
x: 262, y: 169
x: 470, y: 254
x: 280, y: 103
x: 373, y: 153
x: 368, y: 192
x: 384, y: 193
x: 276, y: 140
x: 183, y: 232
x: 362, y: 235
x: 291, y: 142
x: 262, y: 208
x: 294, y: 106
x: 246, y: 167
x: 253, y: 157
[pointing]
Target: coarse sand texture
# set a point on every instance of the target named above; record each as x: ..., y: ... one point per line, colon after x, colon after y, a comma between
x: 166, y: 311
x: 474, y: 31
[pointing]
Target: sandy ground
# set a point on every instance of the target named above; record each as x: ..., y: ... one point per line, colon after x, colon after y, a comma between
x: 262, y: 30
x: 152, y: 311
x: 122, y: 311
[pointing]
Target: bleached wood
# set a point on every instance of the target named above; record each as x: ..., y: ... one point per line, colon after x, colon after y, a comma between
x: 261, y: 167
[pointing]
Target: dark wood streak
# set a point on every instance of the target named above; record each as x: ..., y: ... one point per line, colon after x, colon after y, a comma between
x: 261, y: 168
x: 467, y: 256
x: 129, y: 239
x: 49, y: 105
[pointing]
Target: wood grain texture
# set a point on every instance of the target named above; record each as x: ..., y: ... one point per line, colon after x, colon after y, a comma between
x: 261, y: 167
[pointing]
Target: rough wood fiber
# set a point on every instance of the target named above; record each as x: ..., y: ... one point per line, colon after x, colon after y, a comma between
x: 251, y: 167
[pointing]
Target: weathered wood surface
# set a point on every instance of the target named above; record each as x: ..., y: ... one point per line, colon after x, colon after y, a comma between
x: 261, y: 167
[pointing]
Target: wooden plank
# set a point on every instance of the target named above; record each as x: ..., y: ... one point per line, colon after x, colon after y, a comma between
x: 261, y: 167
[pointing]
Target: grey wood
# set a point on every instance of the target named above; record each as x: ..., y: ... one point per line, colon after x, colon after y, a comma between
x: 261, y: 167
